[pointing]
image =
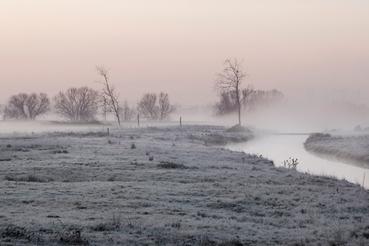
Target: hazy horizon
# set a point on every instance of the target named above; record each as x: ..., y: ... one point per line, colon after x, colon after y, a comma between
x: 299, y: 47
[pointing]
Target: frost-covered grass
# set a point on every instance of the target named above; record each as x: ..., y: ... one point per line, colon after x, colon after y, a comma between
x: 175, y: 187
x: 348, y: 148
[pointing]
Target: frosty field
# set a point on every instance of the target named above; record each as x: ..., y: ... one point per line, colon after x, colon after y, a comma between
x: 166, y: 186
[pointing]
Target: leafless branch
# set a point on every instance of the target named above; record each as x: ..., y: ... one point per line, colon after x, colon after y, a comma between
x: 109, y: 93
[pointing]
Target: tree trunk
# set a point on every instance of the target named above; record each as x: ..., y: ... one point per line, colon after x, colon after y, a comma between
x: 118, y: 118
x: 238, y: 104
x: 239, y: 113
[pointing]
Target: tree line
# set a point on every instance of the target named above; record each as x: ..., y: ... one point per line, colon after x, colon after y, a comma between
x: 84, y: 103
x: 251, y: 100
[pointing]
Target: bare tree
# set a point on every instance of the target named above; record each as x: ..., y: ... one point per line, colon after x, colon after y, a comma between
x: 147, y: 106
x: 109, y: 93
x: 77, y: 104
x: 165, y: 108
x: 27, y: 106
x: 16, y: 107
x: 127, y: 112
x: 104, y: 106
x: 37, y: 104
x: 230, y: 80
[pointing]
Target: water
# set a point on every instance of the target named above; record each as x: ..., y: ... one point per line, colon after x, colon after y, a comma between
x: 281, y: 147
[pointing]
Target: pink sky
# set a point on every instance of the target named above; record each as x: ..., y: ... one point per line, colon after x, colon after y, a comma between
x: 178, y: 46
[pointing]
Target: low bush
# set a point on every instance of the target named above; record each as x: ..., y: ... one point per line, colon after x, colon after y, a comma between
x: 28, y: 178
x: 171, y: 165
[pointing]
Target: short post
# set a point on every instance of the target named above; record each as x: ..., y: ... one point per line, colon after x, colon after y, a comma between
x: 108, y: 131
x: 363, y: 180
x: 180, y: 121
x: 138, y: 120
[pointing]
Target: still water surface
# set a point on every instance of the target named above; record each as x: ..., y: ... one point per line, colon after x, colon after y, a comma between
x: 281, y: 147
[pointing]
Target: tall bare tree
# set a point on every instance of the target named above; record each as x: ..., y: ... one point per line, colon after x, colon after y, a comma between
x: 165, y: 108
x: 230, y: 80
x: 77, y: 104
x: 27, y: 106
x: 110, y: 93
x: 104, y: 106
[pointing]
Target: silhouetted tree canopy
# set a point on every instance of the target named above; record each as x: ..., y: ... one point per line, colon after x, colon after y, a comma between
x: 26, y: 106
x: 147, y: 106
x: 165, y: 108
x: 155, y: 107
x: 77, y: 104
x: 251, y: 100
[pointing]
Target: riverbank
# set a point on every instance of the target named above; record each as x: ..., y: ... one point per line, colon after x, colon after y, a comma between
x: 166, y: 186
x: 353, y: 149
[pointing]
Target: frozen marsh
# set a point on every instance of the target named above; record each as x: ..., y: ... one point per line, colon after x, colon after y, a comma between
x: 166, y: 186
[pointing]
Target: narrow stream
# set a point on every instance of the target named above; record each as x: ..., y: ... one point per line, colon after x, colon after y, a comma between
x: 281, y: 147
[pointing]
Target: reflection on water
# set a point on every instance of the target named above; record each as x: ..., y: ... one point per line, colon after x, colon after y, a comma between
x: 281, y: 147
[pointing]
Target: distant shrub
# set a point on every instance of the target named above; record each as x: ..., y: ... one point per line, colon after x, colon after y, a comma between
x: 111, y: 179
x: 17, y: 232
x: 60, y: 151
x: 14, y: 231
x: 115, y: 223
x: 171, y: 165
x: 72, y: 237
x: 291, y: 163
x: 28, y: 178
x: 234, y: 242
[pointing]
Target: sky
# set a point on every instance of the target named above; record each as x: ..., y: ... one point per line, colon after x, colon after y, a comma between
x: 300, y: 47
